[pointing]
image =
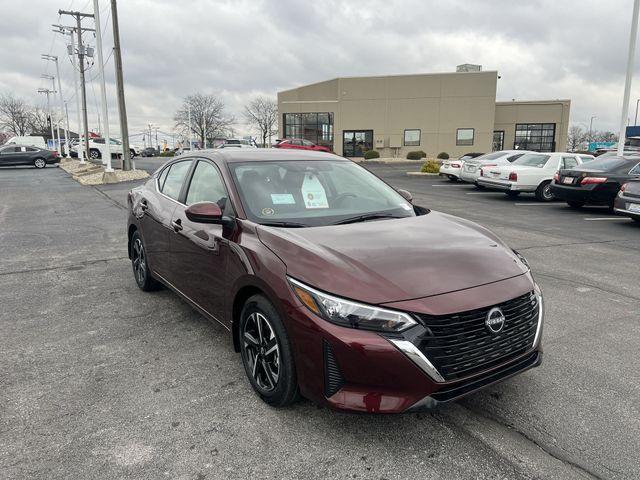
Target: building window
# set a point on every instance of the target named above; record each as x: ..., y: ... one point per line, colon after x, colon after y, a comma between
x: 464, y: 136
x: 498, y: 140
x: 356, y: 142
x: 314, y: 127
x: 411, y: 138
x: 539, y: 137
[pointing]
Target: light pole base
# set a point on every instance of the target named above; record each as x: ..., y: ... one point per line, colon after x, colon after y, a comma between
x: 109, y: 177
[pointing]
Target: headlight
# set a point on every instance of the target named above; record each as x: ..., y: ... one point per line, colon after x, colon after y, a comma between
x: 350, y: 314
x: 522, y: 259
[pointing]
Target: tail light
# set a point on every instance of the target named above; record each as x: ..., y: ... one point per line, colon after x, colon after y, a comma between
x: 55, y: 153
x: 482, y: 172
x: 513, y: 177
x: 455, y: 165
x: 592, y: 180
x: 556, y: 177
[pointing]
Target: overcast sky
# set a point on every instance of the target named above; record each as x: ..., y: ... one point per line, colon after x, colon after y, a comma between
x: 237, y: 49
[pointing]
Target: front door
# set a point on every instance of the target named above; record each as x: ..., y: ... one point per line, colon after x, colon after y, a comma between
x: 11, y: 155
x: 199, y: 251
x: 158, y: 204
x: 356, y: 142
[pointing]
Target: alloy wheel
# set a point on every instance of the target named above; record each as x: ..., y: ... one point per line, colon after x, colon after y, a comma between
x: 40, y: 163
x: 547, y: 193
x: 94, y: 154
x: 262, y: 351
x: 139, y: 262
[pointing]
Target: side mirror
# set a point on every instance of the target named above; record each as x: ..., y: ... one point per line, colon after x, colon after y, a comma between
x: 406, y: 195
x: 207, y: 212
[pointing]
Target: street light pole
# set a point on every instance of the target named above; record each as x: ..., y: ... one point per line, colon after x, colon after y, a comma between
x: 53, y: 91
x: 103, y: 89
x: 591, y: 129
x: 627, y: 83
x: 62, y: 109
x: 127, y: 163
x: 46, y: 91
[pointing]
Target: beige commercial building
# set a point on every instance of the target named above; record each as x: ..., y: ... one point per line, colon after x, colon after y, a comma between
x: 443, y: 112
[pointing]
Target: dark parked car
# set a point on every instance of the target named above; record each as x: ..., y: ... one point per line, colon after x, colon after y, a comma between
x: 595, y: 183
x: 149, y: 152
x: 331, y: 283
x: 628, y: 200
x: 26, y: 155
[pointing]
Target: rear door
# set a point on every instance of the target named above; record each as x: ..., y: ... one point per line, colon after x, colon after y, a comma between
x: 159, y: 200
x: 200, y: 251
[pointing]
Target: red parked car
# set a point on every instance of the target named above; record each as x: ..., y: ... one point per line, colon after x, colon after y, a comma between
x: 300, y: 144
x: 331, y: 283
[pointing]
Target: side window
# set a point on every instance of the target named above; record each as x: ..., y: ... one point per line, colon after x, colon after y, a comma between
x: 296, y: 142
x: 635, y: 170
x: 568, y: 162
x: 162, y: 178
x: 206, y: 186
x: 307, y: 143
x: 31, y: 149
x: 175, y: 178
x: 10, y: 150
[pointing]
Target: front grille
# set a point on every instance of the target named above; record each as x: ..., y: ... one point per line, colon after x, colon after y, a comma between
x: 460, y: 345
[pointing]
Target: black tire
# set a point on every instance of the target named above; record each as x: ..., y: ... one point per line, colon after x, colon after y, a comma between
x: 575, y: 203
x: 39, y: 163
x: 635, y: 219
x: 132, y: 153
x: 544, y: 193
x: 512, y: 194
x: 479, y: 187
x: 259, y: 364
x: 453, y: 178
x: 94, y: 153
x: 140, y: 266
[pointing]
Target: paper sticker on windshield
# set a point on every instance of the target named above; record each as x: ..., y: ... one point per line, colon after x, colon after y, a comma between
x: 313, y: 192
x: 405, y: 206
x: 282, y: 199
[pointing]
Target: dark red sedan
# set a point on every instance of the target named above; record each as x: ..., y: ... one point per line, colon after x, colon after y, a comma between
x: 331, y: 283
x: 300, y: 144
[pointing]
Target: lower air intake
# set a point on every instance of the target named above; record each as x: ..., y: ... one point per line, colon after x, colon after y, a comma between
x: 333, y: 379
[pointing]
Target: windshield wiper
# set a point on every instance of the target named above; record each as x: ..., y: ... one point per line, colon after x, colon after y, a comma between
x: 364, y: 218
x: 285, y: 224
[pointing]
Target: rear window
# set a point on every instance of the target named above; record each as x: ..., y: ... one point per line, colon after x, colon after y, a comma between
x: 532, y: 160
x: 491, y: 156
x: 608, y: 163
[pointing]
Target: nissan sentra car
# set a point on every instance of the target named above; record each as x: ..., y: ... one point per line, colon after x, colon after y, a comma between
x: 332, y: 284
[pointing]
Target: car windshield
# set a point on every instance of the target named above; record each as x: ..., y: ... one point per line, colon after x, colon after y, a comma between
x: 607, y: 163
x: 314, y: 193
x: 491, y: 156
x: 532, y: 160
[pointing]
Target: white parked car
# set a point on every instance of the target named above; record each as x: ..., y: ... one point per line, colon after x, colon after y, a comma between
x: 532, y: 173
x: 451, y: 168
x: 471, y: 168
x: 97, y: 148
x: 238, y: 143
x: 29, y: 141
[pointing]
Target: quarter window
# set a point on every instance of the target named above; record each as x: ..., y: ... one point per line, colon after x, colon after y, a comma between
x: 412, y: 138
x: 175, y: 178
x: 465, y: 136
x: 206, y: 186
x: 569, y: 162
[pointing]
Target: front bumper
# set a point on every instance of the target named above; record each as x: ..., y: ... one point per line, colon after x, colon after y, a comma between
x: 450, y: 172
x: 497, y: 184
x: 364, y: 371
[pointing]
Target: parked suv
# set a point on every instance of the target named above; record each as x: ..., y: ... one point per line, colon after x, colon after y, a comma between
x: 277, y: 247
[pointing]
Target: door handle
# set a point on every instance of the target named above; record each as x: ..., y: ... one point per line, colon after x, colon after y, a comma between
x: 177, y: 225
x: 144, y: 205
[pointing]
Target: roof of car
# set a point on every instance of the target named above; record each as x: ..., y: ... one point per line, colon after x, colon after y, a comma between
x: 263, y: 154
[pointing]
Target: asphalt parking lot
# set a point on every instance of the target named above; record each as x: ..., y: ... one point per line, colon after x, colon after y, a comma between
x: 101, y: 380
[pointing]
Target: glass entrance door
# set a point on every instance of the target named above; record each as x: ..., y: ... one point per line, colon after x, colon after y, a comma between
x: 356, y: 142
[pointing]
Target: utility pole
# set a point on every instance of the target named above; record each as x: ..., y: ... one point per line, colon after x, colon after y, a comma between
x: 591, y: 129
x: 627, y: 83
x: 189, y: 110
x: 81, y: 53
x: 47, y: 92
x: 72, y: 51
x: 53, y: 90
x: 54, y: 58
x: 122, y: 109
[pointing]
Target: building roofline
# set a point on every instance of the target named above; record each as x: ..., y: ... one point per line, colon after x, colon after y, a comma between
x: 395, y: 75
x: 515, y: 102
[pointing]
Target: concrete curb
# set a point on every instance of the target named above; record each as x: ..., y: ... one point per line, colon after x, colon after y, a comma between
x: 422, y: 174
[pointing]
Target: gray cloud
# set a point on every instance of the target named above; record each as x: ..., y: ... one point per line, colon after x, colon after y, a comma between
x: 241, y: 48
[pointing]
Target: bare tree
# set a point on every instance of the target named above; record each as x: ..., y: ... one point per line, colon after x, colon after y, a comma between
x: 38, y: 122
x: 262, y: 114
x: 208, y: 117
x: 575, y: 137
x: 605, y: 137
x: 14, y: 114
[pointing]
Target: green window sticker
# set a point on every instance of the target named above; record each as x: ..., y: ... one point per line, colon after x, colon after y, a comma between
x: 282, y: 199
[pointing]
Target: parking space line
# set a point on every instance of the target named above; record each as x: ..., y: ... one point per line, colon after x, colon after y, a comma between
x: 605, y: 218
x: 535, y: 204
x: 452, y: 185
x: 485, y: 193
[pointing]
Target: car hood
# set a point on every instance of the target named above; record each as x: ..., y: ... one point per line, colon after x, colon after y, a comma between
x: 391, y: 260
